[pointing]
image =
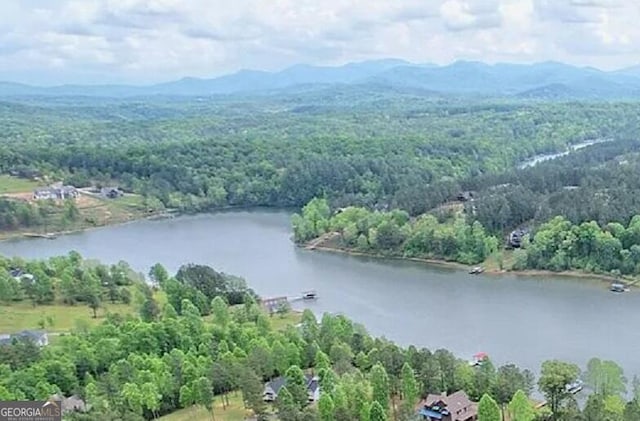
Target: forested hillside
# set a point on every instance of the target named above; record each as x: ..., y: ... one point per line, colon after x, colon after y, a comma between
x: 378, y: 149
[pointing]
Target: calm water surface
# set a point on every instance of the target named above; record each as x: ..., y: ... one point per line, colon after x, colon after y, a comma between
x: 524, y: 320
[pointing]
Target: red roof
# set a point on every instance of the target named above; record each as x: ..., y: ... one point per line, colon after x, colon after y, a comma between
x: 481, y: 356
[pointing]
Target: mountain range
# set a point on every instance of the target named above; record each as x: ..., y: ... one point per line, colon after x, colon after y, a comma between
x: 540, y: 80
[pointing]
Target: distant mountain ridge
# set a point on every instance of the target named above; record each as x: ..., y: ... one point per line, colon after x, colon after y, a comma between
x: 539, y: 80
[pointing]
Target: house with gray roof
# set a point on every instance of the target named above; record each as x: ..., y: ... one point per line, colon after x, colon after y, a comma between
x: 272, y: 388
x: 71, y: 404
x: 454, y: 407
x: 38, y: 337
x: 110, y: 192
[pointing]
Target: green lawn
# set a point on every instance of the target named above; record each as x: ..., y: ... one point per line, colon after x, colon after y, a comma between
x: 23, y: 315
x: 234, y: 412
x: 131, y: 201
x: 9, y: 184
x: 291, y: 318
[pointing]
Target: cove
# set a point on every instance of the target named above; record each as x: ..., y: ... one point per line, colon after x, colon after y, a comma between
x: 519, y: 319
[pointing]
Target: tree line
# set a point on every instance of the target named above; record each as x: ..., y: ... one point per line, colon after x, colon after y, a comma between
x: 18, y: 214
x: 240, y: 152
x: 68, y: 280
x: 560, y: 245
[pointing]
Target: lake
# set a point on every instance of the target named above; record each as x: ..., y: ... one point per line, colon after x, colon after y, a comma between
x: 520, y: 319
x: 535, y: 160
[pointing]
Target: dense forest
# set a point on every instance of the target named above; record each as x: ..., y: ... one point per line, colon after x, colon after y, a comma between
x: 598, y: 183
x: 142, y: 366
x: 556, y: 245
x: 374, y: 149
x: 395, y: 233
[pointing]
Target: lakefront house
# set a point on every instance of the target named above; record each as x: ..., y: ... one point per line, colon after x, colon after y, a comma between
x: 454, y: 407
x: 55, y: 193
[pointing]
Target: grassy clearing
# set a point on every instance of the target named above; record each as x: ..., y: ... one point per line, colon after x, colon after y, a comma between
x: 234, y: 412
x: 290, y: 319
x: 493, y: 262
x: 9, y: 184
x: 23, y: 315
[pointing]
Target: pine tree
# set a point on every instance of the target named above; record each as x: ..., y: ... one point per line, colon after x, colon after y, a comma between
x: 377, y: 412
x: 409, y: 387
x: 520, y: 409
x: 488, y: 409
x: 326, y: 408
x: 380, y: 384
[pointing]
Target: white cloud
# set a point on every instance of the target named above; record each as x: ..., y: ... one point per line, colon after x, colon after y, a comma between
x: 53, y: 41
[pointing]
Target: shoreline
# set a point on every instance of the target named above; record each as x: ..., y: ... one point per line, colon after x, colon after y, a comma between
x: 169, y: 214
x: 52, y: 235
x: 456, y: 265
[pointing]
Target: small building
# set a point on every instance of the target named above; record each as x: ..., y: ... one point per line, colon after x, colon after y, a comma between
x: 454, y: 407
x: 38, y: 337
x: 516, y: 237
x: 272, y: 388
x: 111, y: 192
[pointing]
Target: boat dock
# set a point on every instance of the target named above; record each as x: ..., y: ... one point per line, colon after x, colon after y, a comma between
x: 476, y: 270
x: 272, y: 304
x: 48, y: 236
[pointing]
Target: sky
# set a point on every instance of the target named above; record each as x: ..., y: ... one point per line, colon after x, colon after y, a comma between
x: 49, y: 42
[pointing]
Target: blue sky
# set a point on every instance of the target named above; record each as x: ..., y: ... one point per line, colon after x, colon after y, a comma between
x: 147, y: 41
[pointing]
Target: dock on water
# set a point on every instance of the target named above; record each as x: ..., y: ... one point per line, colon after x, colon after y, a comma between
x: 272, y: 304
x: 48, y: 236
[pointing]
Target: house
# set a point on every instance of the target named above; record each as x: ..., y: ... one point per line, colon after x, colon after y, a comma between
x: 516, y: 237
x: 55, y: 193
x: 44, y: 193
x: 71, y: 404
x: 38, y: 337
x: 454, y: 407
x: 465, y: 196
x: 110, y: 192
x: 20, y: 275
x: 272, y: 388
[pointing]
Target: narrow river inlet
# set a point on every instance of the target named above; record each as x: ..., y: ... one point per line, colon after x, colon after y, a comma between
x: 519, y: 319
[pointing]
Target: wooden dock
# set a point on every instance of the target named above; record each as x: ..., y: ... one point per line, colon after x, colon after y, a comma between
x: 48, y: 236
